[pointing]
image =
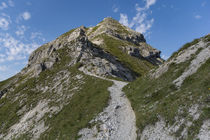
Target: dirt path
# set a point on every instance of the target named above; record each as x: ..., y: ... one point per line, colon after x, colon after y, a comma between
x: 117, y: 121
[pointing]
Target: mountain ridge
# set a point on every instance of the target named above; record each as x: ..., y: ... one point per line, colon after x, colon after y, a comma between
x: 104, y: 34
x: 54, y: 83
x: 75, y: 82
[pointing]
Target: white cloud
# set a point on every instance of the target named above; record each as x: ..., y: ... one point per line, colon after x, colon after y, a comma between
x: 23, y: 16
x: 164, y: 57
x: 4, y: 21
x: 37, y: 36
x: 198, y: 17
x: 2, y: 58
x: 3, y: 68
x: 15, y: 49
x: 26, y: 15
x: 143, y: 27
x: 140, y: 21
x: 21, y: 30
x: 149, y: 3
x: 11, y: 3
x: 124, y: 19
x: 3, y: 6
x: 115, y: 10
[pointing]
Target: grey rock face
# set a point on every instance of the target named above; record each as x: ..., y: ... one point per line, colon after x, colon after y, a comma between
x: 113, y: 28
x: 186, y: 55
x: 3, y: 92
x: 138, y: 47
x: 91, y: 57
x: 134, y: 51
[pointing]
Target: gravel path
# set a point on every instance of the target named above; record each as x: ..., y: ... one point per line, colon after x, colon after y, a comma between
x: 116, y: 122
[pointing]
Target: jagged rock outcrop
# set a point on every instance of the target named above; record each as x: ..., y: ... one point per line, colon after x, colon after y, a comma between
x: 81, y: 50
x: 93, y: 57
x: 112, y: 28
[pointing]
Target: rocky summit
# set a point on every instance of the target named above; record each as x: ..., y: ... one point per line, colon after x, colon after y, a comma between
x: 106, y: 83
x: 108, y: 49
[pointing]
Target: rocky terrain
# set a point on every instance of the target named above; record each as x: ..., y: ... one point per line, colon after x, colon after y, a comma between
x: 172, y: 101
x: 91, y: 48
x: 106, y: 83
x: 53, y: 97
x: 117, y: 121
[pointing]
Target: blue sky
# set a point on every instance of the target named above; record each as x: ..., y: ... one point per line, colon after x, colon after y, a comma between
x: 27, y: 24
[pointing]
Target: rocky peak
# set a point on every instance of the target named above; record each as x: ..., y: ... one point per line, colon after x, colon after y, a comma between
x: 80, y: 50
x: 108, y: 19
x: 82, y: 47
x: 113, y: 28
x: 137, y: 43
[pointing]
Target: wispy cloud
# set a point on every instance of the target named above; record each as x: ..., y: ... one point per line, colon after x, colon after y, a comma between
x: 26, y: 15
x: 11, y: 3
x: 3, y: 6
x: 37, y: 36
x: 2, y: 57
x: 198, y: 17
x: 140, y: 21
x: 4, y: 21
x: 164, y: 57
x: 23, y: 16
x: 15, y: 45
x: 7, y: 4
x: 21, y: 30
x: 3, y: 68
x: 15, y: 49
x: 149, y: 3
x: 115, y: 9
x: 124, y: 19
x: 4, y: 24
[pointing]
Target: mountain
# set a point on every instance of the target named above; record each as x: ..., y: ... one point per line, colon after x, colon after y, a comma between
x: 56, y: 94
x: 173, y: 101
x: 106, y: 82
x: 108, y: 49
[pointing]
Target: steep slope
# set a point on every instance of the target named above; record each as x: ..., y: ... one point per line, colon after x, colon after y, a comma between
x: 108, y: 49
x: 173, y: 101
x: 127, y: 45
x: 58, y: 96
x: 53, y: 98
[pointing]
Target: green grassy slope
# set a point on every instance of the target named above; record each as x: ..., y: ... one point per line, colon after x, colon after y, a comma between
x: 151, y: 98
x: 85, y: 104
x: 114, y: 47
